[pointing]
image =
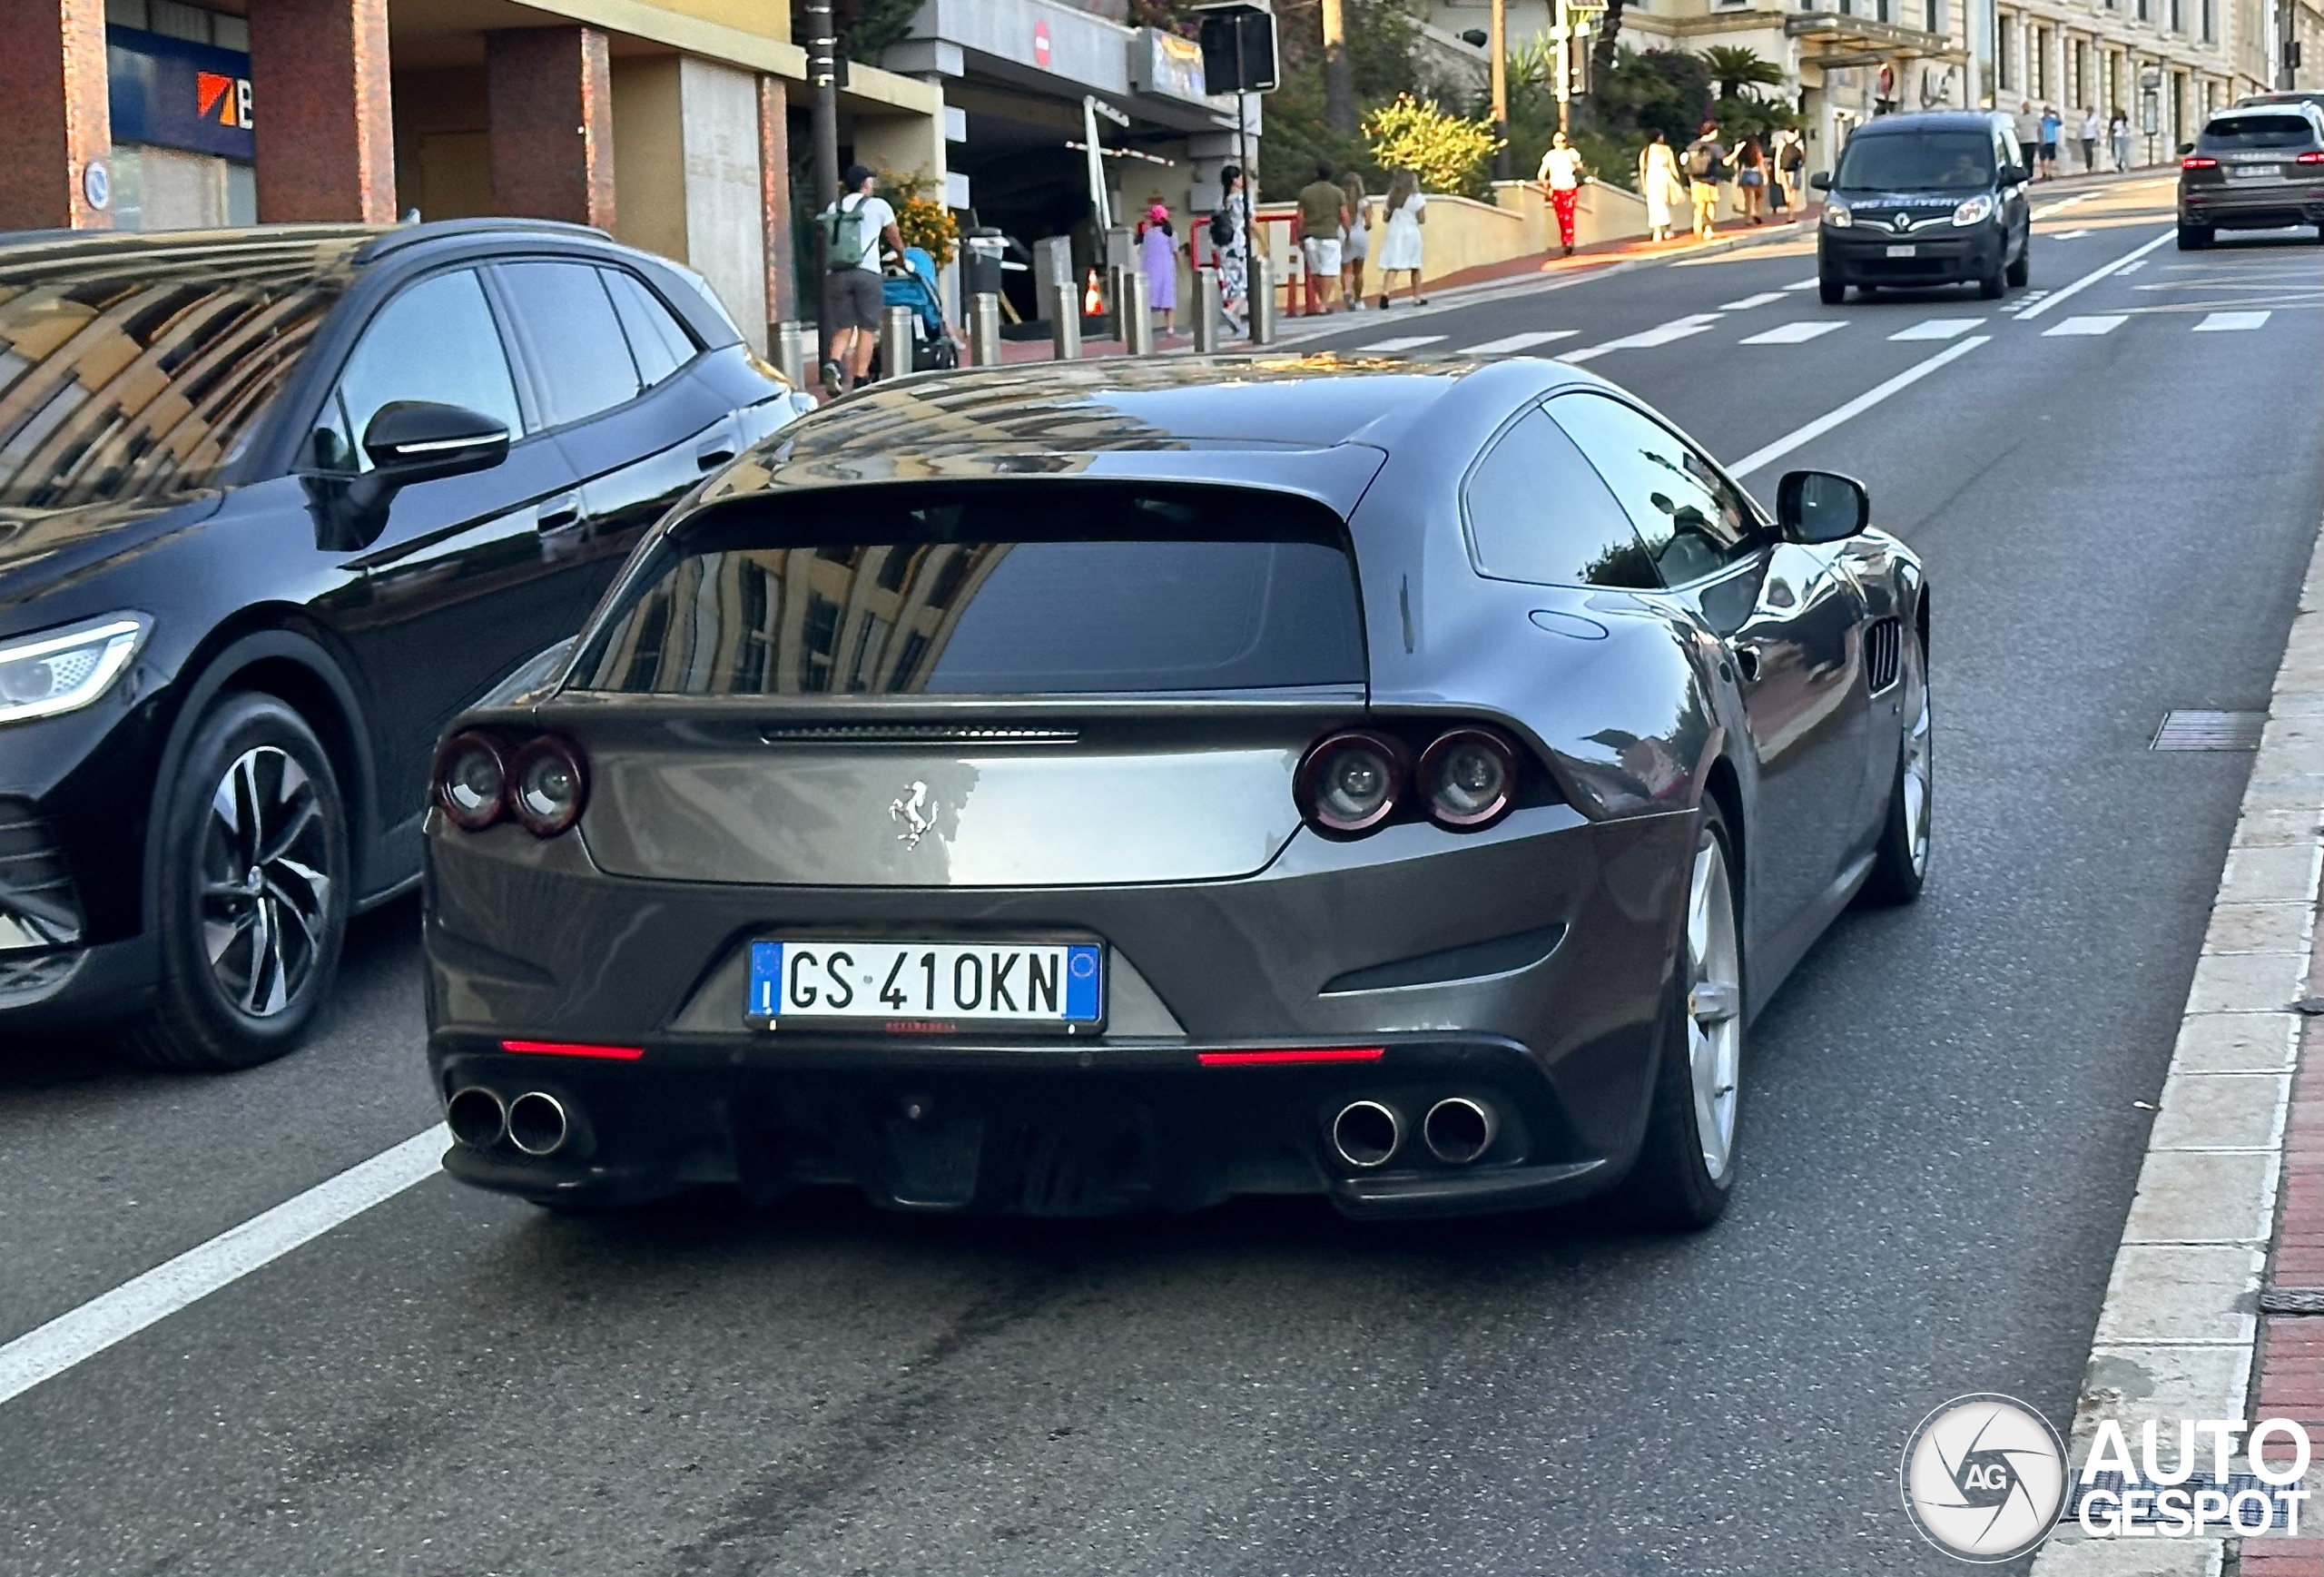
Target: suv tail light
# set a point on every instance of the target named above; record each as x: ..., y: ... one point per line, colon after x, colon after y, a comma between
x: 2197, y: 161
x: 2311, y: 157
x: 541, y: 783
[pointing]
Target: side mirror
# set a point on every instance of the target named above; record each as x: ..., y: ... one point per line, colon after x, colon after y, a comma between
x: 1821, y: 507
x: 2185, y: 149
x: 409, y: 441
x: 1821, y: 181
x: 2014, y: 175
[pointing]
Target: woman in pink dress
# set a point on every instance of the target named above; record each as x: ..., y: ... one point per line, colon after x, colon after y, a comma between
x: 1158, y: 251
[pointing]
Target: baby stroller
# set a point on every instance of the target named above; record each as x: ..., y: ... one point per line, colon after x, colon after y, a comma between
x: 914, y: 286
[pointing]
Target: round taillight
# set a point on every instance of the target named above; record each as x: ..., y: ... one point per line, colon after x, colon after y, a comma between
x: 1351, y: 783
x: 472, y: 782
x: 1470, y: 778
x: 547, y: 787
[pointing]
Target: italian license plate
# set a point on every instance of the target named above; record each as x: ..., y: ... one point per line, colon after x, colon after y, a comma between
x: 2249, y: 171
x: 1036, y: 984
x: 1907, y: 250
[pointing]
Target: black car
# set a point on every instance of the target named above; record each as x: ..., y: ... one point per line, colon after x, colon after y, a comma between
x: 1123, y: 784
x: 274, y: 505
x: 2260, y: 168
x: 1936, y: 198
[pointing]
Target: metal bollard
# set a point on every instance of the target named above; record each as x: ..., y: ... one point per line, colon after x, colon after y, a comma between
x: 1065, y: 322
x: 1209, y: 307
x: 791, y: 353
x: 1138, y: 319
x: 895, y: 342
x: 984, y: 330
x: 1262, y: 301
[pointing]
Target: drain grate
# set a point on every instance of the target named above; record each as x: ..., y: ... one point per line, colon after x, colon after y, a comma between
x: 2191, y: 730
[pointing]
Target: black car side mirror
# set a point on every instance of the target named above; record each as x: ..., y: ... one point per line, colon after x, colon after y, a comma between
x: 1821, y: 181
x: 2014, y: 175
x: 409, y: 441
x: 1821, y: 507
x: 2185, y: 149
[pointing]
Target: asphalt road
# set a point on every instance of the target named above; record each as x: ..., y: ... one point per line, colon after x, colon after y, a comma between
x: 1939, y: 1136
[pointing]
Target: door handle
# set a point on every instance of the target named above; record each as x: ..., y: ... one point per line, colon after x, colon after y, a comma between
x: 561, y: 513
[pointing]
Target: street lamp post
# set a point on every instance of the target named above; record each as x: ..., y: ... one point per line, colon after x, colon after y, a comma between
x: 1498, y: 36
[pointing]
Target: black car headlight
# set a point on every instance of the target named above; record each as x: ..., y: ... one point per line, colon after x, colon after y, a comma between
x: 65, y: 670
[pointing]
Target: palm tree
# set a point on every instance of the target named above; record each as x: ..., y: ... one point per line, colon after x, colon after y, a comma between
x: 1733, y: 67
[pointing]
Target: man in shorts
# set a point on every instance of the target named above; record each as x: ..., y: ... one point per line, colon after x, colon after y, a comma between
x: 1705, y: 160
x: 1323, y: 219
x: 853, y: 229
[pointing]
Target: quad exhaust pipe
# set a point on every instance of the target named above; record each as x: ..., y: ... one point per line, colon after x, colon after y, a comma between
x: 1367, y: 1134
x: 1457, y: 1130
x: 535, y: 1122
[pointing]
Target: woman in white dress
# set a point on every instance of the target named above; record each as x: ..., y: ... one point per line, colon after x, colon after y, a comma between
x: 1400, y: 246
x: 1659, y: 183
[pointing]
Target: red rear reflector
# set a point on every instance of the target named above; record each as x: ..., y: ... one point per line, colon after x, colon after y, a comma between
x: 2198, y: 162
x: 1300, y: 1054
x: 2309, y: 159
x: 573, y: 1049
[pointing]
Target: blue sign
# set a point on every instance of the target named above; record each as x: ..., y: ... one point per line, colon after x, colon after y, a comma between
x: 174, y: 94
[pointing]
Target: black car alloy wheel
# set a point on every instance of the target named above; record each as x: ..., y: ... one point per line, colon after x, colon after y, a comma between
x: 253, y: 909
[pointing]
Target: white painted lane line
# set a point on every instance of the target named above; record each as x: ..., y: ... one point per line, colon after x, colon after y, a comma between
x: 1854, y: 408
x: 1761, y: 299
x: 1401, y: 343
x: 2094, y: 276
x: 1520, y: 342
x: 1807, y: 284
x: 1797, y: 333
x: 80, y: 1334
x: 1937, y: 329
x: 2230, y: 322
x: 2097, y: 323
x: 1661, y: 334
x: 2068, y: 234
x: 2047, y: 209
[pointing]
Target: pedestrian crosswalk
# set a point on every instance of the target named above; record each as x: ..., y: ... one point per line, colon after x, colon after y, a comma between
x: 1661, y: 334
x: 1796, y: 333
x: 1937, y: 329
x: 1761, y: 299
x: 2230, y: 322
x: 2096, y: 323
x: 1510, y: 343
x: 1401, y: 343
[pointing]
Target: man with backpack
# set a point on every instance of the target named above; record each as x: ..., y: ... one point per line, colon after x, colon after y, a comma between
x: 1705, y: 160
x: 853, y: 229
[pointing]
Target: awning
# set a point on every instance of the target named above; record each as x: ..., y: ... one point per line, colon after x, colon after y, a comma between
x: 1842, y: 40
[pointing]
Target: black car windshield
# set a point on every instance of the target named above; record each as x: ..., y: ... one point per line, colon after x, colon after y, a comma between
x: 1917, y: 161
x: 131, y: 369
x: 2241, y: 133
x: 1058, y: 587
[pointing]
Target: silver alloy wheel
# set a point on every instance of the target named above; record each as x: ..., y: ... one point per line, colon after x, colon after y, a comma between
x: 265, y: 881
x: 1920, y: 768
x: 1714, y: 1004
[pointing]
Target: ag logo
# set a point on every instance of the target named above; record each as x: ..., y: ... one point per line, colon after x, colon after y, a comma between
x: 1983, y: 1478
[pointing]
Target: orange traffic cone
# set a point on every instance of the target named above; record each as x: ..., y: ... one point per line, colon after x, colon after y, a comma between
x: 1093, y: 300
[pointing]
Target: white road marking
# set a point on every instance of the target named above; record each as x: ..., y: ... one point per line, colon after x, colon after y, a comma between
x: 2098, y: 323
x: 1797, y: 333
x: 1401, y: 343
x: 1520, y: 342
x: 80, y: 1334
x: 1854, y: 408
x: 2047, y: 209
x: 1661, y: 334
x: 2092, y: 277
x: 1937, y: 329
x: 1802, y: 285
x: 1761, y: 299
x: 2068, y: 234
x: 2132, y: 268
x: 2230, y: 322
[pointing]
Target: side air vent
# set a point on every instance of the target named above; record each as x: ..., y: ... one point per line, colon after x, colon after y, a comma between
x: 914, y: 734
x: 1884, y: 654
x: 39, y: 908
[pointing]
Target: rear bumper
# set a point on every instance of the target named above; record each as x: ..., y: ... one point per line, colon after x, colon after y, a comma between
x: 2243, y: 207
x: 1032, y: 1131
x: 1953, y: 258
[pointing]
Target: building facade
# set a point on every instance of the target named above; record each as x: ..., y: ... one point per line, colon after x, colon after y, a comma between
x: 678, y: 125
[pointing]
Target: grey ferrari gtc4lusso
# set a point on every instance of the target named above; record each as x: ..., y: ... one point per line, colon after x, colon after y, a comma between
x: 1118, y: 785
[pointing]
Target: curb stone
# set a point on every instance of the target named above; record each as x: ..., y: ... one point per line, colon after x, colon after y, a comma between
x: 2179, y: 1334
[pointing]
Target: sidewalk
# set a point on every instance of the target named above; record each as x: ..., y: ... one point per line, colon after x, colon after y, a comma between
x: 2215, y: 1308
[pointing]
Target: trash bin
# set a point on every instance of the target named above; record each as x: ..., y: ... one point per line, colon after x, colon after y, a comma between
x: 980, y: 259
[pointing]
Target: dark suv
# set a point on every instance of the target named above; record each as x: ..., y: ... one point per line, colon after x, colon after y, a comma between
x: 1934, y: 199
x: 2260, y: 168
x: 275, y: 504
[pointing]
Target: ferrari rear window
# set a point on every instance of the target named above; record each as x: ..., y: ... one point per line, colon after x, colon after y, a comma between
x: 2237, y: 133
x: 1062, y: 587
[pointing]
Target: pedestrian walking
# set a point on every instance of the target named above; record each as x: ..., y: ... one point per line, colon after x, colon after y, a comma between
x: 1706, y: 158
x: 852, y: 231
x: 2089, y: 140
x: 1400, y: 242
x: 2051, y: 126
x: 1323, y: 215
x: 1561, y: 174
x: 1355, y: 244
x: 1157, y: 255
x: 1232, y: 248
x: 1791, y: 164
x: 2121, y: 134
x: 1659, y: 183
x: 1751, y: 178
x: 2027, y: 123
